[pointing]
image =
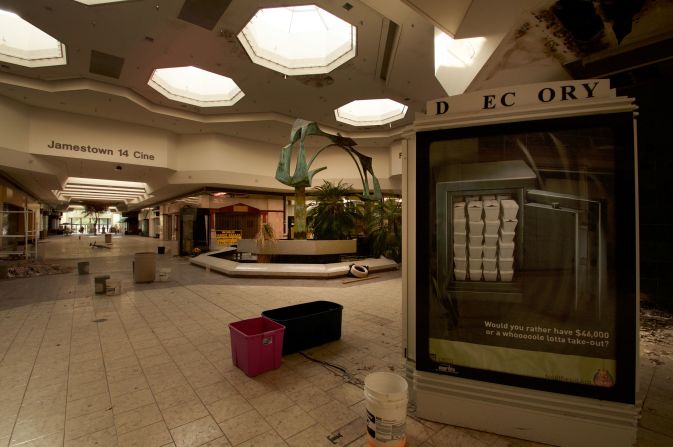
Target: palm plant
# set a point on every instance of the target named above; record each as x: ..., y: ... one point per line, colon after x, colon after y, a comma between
x: 385, y: 229
x: 93, y: 212
x: 334, y: 216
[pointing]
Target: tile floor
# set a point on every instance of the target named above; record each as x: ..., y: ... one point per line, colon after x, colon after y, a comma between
x: 152, y: 366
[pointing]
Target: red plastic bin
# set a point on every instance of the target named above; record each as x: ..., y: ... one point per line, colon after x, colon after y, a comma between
x: 256, y: 345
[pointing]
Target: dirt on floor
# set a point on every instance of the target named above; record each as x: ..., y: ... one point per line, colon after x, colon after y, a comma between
x: 27, y: 269
x: 656, y: 335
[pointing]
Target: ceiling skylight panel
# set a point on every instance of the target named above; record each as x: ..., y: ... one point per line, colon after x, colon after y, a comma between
x: 370, y: 112
x: 195, y: 86
x: 298, y: 40
x: 22, y: 43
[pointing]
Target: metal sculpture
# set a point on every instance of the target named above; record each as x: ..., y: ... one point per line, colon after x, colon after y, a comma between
x: 303, y: 175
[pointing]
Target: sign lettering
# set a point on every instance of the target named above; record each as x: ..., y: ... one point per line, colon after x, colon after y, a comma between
x: 521, y: 95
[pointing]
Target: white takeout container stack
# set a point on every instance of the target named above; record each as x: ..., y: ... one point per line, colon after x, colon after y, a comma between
x: 507, y: 233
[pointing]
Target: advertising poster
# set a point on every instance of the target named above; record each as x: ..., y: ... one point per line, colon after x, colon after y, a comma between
x: 530, y: 273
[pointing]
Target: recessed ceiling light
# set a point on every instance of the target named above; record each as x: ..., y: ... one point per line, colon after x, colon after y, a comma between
x: 192, y: 85
x: 298, y: 40
x: 370, y: 112
x: 22, y: 43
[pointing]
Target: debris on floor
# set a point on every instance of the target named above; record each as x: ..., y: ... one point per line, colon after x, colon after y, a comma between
x: 27, y: 269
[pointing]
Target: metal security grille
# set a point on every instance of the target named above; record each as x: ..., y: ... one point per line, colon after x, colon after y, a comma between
x: 247, y: 222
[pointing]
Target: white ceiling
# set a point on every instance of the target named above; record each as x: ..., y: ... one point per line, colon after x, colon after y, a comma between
x: 148, y: 34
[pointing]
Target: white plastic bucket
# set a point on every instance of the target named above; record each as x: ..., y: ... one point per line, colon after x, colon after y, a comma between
x: 386, y: 397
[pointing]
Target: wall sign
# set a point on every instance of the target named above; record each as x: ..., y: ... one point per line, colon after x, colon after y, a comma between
x: 228, y: 237
x: 523, y: 95
x: 104, y: 152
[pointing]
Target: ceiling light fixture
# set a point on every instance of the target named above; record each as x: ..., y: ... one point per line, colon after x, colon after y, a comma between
x: 298, y: 40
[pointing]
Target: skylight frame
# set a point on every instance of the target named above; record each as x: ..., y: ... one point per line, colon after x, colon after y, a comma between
x: 14, y: 28
x: 180, y: 94
x: 101, y: 2
x: 391, y: 111
x: 262, y: 36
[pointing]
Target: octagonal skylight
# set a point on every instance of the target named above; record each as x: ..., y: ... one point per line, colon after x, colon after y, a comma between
x: 195, y: 86
x: 99, y: 2
x: 21, y: 43
x: 298, y: 40
x: 370, y: 112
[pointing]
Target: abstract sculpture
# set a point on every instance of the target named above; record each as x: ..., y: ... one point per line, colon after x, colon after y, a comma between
x: 303, y: 175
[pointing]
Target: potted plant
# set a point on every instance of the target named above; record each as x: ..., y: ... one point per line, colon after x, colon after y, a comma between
x: 385, y: 229
x: 334, y: 215
x: 265, y: 236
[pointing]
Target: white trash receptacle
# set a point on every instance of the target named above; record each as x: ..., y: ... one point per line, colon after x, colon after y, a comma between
x: 386, y: 396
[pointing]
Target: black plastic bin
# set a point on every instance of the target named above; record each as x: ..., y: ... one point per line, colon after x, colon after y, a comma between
x: 308, y: 324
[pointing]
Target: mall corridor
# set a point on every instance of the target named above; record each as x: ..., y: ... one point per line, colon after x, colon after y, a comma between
x: 152, y: 366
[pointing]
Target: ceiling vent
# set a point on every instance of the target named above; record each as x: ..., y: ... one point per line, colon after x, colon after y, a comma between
x: 106, y: 64
x: 203, y: 13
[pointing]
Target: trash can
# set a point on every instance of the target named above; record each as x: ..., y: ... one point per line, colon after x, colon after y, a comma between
x: 308, y: 324
x: 161, y: 249
x: 144, y: 266
x: 100, y: 284
x: 108, y: 238
x: 256, y: 345
x: 83, y: 268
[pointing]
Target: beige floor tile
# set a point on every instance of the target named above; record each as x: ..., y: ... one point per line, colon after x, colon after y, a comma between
x: 154, y: 435
x: 128, y: 386
x: 314, y: 436
x: 244, y: 427
x: 159, y: 359
x: 150, y: 352
x: 290, y: 421
x: 132, y: 400
x: 164, y: 381
x: 216, y: 391
x: 27, y: 429
x: 333, y: 415
x: 102, y: 438
x: 347, y: 393
x: 88, y: 423
x: 86, y: 405
x: 129, y: 361
x: 219, y: 442
x: 124, y: 373
x: 52, y: 440
x: 137, y: 418
x: 173, y: 396
x: 80, y: 391
x: 182, y: 413
x: 268, y: 439
x: 196, y: 432
x: 271, y: 402
x: 229, y: 407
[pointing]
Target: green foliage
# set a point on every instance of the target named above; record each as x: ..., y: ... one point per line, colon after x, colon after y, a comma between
x: 385, y: 229
x: 265, y: 234
x: 334, y: 216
